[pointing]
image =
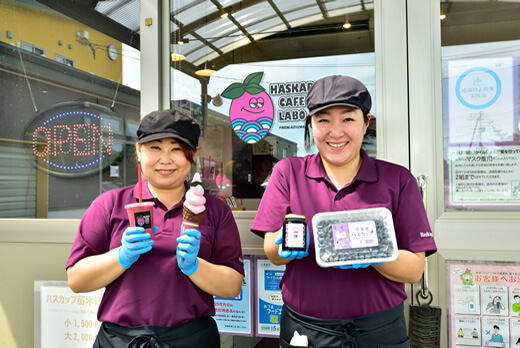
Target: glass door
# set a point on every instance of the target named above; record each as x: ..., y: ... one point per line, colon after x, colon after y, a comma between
x: 463, y: 92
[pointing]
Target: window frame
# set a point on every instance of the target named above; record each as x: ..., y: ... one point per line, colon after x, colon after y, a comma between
x: 33, y: 48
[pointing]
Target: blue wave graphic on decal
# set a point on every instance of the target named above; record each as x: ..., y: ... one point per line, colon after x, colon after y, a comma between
x: 266, y: 122
x: 256, y: 127
x: 251, y: 131
x: 251, y: 138
x: 238, y: 122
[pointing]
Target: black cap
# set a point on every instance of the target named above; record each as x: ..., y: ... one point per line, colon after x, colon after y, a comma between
x: 169, y: 124
x: 338, y: 90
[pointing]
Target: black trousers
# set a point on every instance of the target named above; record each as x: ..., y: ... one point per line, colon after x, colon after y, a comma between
x: 385, y: 329
x: 201, y: 332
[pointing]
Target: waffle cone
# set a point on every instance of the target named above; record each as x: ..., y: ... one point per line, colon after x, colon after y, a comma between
x: 189, y: 216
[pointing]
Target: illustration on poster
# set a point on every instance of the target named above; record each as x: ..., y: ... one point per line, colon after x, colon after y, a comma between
x: 516, y: 305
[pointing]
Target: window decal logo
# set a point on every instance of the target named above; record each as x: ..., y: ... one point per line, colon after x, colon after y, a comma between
x: 251, y: 112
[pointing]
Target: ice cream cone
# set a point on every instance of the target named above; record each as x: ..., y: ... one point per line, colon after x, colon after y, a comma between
x: 194, y: 205
x: 190, y: 217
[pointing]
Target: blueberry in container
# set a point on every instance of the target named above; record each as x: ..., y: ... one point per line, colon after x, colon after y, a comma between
x: 354, y: 237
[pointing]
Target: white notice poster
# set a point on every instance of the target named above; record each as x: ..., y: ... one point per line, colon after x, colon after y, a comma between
x: 67, y: 319
x: 480, y: 101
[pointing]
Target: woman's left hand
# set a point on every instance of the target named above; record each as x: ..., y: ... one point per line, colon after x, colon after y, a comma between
x: 187, y: 251
x: 292, y: 254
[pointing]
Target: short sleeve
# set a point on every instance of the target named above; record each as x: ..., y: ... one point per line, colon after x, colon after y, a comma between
x: 413, y: 231
x: 93, y: 237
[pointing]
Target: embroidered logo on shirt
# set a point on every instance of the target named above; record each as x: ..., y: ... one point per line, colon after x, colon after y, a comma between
x: 426, y: 234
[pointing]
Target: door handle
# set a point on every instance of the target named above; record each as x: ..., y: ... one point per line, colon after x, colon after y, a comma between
x: 421, y: 181
x: 425, y: 292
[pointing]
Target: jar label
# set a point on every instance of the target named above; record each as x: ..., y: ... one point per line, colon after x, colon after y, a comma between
x: 295, y: 235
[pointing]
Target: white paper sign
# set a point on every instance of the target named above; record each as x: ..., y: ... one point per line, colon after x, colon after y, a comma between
x: 234, y: 316
x: 480, y: 102
x: 269, y: 300
x: 68, y: 319
x: 484, y: 176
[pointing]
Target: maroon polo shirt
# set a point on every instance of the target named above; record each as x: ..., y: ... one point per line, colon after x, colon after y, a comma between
x: 154, y: 291
x: 300, y: 185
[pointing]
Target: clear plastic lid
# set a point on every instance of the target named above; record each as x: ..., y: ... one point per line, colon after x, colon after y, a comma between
x: 142, y: 204
x: 364, y: 236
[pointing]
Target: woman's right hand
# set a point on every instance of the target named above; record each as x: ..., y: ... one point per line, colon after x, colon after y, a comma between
x: 134, y: 243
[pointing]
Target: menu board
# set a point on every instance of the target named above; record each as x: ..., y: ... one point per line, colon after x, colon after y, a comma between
x: 67, y: 319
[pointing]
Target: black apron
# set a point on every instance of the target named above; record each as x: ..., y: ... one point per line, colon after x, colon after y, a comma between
x: 385, y: 329
x: 201, y: 332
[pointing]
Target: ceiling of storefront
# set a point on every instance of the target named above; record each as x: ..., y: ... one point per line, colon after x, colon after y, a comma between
x: 290, y: 28
x: 257, y: 30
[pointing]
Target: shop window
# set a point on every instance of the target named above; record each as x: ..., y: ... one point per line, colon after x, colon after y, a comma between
x: 33, y: 48
x: 64, y: 60
x: 67, y: 135
x: 262, y: 58
x: 278, y: 47
x: 480, y: 55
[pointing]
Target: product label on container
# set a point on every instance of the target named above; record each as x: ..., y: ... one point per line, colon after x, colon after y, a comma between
x: 295, y: 235
x: 351, y: 235
x: 143, y: 219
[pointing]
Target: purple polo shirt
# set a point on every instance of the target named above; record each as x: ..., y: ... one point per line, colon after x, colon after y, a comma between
x: 300, y: 185
x: 154, y: 291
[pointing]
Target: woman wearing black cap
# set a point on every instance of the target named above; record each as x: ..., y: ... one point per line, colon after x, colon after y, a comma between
x: 358, y: 305
x: 151, y: 299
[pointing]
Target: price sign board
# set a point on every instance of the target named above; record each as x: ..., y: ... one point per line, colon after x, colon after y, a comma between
x: 66, y: 319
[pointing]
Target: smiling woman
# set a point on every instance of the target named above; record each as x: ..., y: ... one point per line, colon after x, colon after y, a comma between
x: 167, y: 147
x: 341, y: 177
x: 166, y: 166
x: 338, y: 133
x: 108, y: 252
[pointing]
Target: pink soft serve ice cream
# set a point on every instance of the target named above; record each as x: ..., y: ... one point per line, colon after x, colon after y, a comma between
x: 194, y: 205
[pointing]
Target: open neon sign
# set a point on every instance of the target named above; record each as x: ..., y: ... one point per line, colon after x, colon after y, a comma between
x: 72, y: 139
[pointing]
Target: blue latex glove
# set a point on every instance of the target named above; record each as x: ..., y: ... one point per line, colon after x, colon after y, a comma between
x: 134, y: 242
x: 291, y: 254
x: 187, y: 251
x: 358, y: 265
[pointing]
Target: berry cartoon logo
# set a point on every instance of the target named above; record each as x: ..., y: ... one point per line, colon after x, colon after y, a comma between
x: 251, y: 112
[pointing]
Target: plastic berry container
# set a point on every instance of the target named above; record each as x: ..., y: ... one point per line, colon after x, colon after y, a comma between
x: 364, y: 236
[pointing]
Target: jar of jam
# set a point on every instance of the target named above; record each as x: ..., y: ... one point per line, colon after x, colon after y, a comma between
x: 294, y: 233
